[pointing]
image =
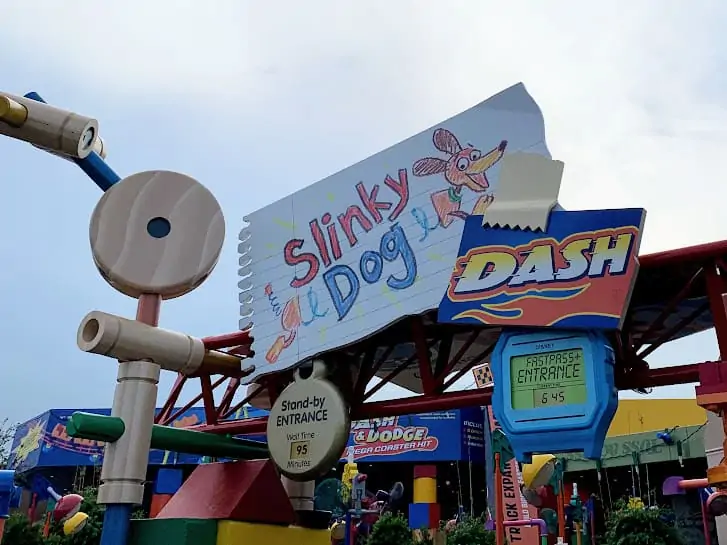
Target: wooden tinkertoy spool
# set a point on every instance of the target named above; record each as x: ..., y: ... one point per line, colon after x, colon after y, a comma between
x: 154, y: 235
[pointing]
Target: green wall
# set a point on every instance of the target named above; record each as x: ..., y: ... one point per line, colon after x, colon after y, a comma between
x: 617, y: 451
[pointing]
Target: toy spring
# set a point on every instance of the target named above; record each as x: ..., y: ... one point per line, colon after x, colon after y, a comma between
x: 273, y: 299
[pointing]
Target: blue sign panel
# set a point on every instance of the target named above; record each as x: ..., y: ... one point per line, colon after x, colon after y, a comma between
x: 522, y: 278
x: 26, y: 446
x: 445, y: 436
x: 437, y: 436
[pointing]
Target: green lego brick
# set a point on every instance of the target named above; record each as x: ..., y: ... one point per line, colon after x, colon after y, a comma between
x: 173, y: 532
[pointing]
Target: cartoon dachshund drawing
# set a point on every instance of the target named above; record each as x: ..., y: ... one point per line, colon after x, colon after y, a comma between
x: 465, y: 167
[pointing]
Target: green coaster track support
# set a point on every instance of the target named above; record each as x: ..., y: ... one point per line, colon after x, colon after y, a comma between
x: 108, y: 429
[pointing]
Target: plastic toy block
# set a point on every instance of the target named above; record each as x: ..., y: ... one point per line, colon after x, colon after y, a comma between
x: 168, y: 481
x: 243, y: 533
x: 712, y: 401
x: 425, y: 490
x: 435, y: 515
x: 712, y: 378
x: 424, y: 515
x: 158, y: 501
x: 247, y: 491
x: 173, y: 532
x: 712, y: 390
x: 425, y: 472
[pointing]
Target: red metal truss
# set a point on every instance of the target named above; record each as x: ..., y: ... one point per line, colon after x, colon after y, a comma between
x: 442, y: 354
x: 238, y: 343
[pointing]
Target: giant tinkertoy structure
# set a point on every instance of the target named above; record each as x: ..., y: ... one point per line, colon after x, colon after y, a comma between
x: 439, y: 254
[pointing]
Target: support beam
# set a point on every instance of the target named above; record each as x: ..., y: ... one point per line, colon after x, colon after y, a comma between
x: 422, y: 355
x: 377, y: 409
x: 662, y: 376
x: 171, y: 401
x: 98, y: 427
x: 682, y: 374
x: 208, y: 398
x: 716, y: 288
x: 227, y: 340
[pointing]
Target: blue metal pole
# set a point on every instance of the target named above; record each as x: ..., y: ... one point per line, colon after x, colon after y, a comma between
x: 116, y: 524
x: 98, y: 170
x: 94, y: 166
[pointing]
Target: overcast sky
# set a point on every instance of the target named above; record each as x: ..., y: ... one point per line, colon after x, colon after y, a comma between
x: 259, y: 99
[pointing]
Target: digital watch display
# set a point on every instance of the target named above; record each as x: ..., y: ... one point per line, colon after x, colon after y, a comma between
x: 551, y: 378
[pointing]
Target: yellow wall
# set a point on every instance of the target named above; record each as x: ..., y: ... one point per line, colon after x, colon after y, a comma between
x: 640, y: 415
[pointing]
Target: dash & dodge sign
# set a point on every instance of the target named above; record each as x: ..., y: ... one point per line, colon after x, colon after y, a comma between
x: 308, y: 428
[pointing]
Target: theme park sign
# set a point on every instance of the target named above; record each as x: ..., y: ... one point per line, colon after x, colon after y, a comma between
x: 515, y: 506
x: 552, y: 279
x: 59, y: 438
x: 355, y: 252
x: 386, y: 437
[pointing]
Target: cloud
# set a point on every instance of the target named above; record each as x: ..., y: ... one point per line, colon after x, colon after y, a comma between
x: 292, y: 91
x: 627, y: 89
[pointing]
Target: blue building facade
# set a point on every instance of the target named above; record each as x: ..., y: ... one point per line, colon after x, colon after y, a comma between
x: 42, y: 442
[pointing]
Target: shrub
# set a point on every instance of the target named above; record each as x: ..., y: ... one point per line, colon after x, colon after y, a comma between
x: 19, y: 531
x: 390, y: 529
x: 53, y: 539
x: 640, y: 526
x: 425, y: 537
x: 91, y: 533
x: 470, y: 531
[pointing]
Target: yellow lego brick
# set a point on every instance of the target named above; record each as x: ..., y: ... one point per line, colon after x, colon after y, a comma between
x: 230, y: 532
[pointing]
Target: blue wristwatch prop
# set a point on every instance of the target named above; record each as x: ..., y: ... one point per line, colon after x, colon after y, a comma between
x: 558, y: 283
x: 554, y: 390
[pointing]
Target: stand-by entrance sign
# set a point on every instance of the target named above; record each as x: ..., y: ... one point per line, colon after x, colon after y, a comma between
x: 308, y: 427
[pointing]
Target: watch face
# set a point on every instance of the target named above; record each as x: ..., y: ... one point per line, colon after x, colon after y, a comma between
x: 548, y: 379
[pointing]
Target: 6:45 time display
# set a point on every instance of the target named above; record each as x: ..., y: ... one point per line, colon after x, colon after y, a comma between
x: 547, y: 397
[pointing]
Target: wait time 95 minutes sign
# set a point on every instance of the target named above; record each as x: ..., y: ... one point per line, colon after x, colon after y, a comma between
x: 308, y: 429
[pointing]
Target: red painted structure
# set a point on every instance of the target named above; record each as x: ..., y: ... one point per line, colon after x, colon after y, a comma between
x: 244, y: 490
x: 665, y: 279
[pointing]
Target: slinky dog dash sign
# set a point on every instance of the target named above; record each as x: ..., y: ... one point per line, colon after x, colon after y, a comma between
x: 346, y: 257
x: 308, y: 427
x: 579, y: 274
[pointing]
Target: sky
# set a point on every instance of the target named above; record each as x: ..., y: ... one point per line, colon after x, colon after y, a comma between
x: 259, y: 99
